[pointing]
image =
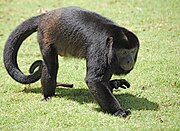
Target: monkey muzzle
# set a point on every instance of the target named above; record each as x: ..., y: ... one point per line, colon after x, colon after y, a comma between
x: 127, y: 63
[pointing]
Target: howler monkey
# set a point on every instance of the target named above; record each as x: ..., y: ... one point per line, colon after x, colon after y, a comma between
x: 72, y: 31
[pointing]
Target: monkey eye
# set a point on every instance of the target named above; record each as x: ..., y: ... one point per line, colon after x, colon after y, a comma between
x: 133, y: 51
x: 122, y: 52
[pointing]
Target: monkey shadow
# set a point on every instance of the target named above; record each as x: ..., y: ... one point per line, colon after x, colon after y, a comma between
x: 83, y: 96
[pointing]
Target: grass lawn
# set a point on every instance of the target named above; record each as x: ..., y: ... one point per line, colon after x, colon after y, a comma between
x: 154, y: 96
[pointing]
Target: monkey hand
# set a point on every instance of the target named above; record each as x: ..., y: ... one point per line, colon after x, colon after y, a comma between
x: 119, y: 83
x: 123, y: 113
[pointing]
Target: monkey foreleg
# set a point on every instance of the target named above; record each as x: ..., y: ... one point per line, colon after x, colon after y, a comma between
x: 106, y: 99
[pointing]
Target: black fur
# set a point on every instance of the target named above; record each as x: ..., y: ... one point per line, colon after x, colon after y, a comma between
x: 76, y: 32
x: 12, y: 46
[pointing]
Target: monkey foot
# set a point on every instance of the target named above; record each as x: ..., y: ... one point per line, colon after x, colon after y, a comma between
x: 123, y: 113
x: 64, y: 84
x: 46, y: 99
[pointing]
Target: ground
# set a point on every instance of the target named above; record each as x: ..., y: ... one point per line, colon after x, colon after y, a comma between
x: 154, y: 96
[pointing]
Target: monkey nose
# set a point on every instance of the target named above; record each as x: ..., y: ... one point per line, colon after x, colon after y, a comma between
x: 127, y: 66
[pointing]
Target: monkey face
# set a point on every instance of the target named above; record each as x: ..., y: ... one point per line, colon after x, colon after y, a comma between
x: 124, y: 60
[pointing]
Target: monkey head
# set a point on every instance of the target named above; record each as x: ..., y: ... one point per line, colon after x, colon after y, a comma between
x: 122, y: 53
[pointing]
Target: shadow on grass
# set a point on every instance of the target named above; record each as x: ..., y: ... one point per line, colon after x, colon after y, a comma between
x: 83, y: 96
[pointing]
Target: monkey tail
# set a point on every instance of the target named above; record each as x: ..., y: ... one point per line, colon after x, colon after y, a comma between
x: 11, y: 49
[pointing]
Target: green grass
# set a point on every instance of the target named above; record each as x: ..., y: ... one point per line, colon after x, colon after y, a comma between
x: 154, y: 96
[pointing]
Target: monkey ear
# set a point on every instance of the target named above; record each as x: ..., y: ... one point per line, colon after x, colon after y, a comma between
x: 109, y: 42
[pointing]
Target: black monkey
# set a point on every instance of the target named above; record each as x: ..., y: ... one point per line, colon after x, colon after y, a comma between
x: 72, y: 31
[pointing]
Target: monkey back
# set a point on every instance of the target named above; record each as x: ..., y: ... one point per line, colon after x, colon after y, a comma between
x: 72, y: 29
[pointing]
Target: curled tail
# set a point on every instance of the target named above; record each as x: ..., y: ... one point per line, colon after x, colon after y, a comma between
x: 11, y: 49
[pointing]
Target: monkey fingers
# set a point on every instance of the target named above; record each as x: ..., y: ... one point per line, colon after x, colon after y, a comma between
x: 123, y: 113
x: 119, y: 83
x: 64, y: 85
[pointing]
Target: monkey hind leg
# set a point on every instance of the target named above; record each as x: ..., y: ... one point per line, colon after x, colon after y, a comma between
x: 49, y: 70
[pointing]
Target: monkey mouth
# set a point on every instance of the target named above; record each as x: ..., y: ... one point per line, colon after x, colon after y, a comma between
x: 126, y: 71
x: 129, y: 70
